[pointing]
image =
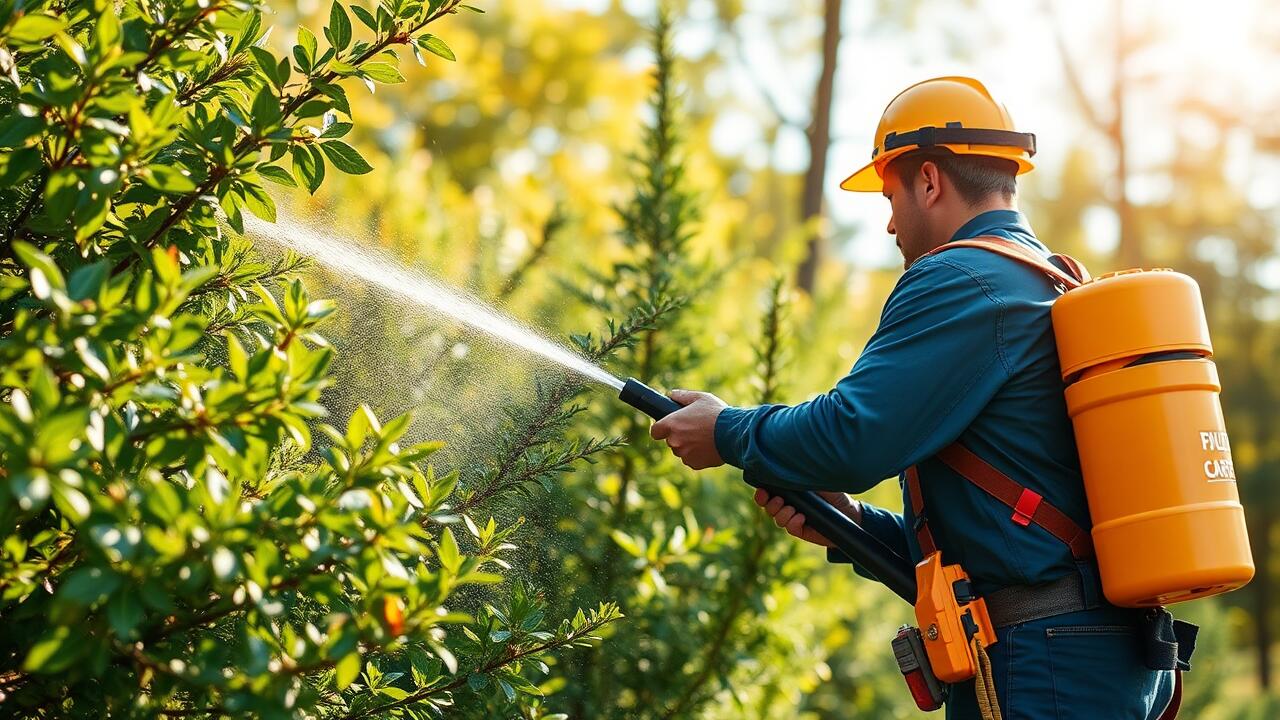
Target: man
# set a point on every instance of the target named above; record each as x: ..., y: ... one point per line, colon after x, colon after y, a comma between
x: 963, y: 361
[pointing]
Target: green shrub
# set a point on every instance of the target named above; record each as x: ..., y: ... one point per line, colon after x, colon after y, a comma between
x: 175, y: 541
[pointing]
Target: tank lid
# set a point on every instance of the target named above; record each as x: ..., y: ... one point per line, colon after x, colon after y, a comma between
x: 1129, y: 313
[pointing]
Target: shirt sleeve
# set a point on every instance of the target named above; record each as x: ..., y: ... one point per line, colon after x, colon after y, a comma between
x: 925, y: 375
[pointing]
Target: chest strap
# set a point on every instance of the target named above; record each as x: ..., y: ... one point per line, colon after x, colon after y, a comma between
x: 1029, y: 507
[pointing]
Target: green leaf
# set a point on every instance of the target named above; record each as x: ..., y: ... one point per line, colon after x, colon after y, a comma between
x: 385, y: 73
x: 106, y: 33
x: 259, y: 202
x: 628, y: 543
x: 86, y: 280
x: 40, y: 265
x: 365, y: 17
x: 277, y: 174
x: 507, y: 690
x: 450, y: 558
x: 71, y: 502
x: 167, y: 178
x: 124, y: 612
x: 343, y: 68
x: 308, y: 166
x: 267, y: 62
x: 336, y: 130
x: 265, y: 111
x: 345, y: 158
x: 305, y: 51
x: 472, y: 8
x: 445, y: 655
x: 339, y: 30
x: 35, y: 28
x: 16, y: 128
x: 348, y: 667
x: 19, y: 165
x: 88, y: 585
x: 362, y: 420
x: 60, y: 192
x: 54, y: 652
x: 435, y: 45
x: 250, y: 31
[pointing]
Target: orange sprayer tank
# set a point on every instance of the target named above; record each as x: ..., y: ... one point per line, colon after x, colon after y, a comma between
x: 1143, y: 397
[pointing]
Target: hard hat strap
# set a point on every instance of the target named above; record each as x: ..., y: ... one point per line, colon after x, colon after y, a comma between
x: 954, y: 134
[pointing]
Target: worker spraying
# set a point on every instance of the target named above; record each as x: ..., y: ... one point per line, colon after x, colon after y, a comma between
x: 1029, y: 604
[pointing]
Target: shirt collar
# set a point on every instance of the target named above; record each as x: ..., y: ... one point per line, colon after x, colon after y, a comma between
x: 984, y: 223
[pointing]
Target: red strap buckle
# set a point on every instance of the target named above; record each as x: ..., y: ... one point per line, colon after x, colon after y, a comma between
x: 1025, y: 509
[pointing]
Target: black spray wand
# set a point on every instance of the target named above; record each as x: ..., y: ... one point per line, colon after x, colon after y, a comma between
x: 849, y: 538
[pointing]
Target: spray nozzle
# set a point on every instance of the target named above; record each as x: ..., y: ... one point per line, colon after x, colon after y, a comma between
x: 647, y: 400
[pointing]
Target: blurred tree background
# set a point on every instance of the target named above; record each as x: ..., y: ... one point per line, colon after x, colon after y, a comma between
x: 573, y: 168
x: 1156, y: 150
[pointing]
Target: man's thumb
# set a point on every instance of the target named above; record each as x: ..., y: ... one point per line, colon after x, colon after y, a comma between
x: 684, y: 397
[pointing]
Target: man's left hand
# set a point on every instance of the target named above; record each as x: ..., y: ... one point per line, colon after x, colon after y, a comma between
x: 691, y: 431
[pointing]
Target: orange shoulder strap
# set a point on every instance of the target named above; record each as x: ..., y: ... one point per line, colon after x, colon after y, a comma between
x: 1029, y: 507
x: 1077, y: 276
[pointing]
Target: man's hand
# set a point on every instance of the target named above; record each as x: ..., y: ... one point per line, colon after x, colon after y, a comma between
x: 787, y: 518
x: 691, y: 431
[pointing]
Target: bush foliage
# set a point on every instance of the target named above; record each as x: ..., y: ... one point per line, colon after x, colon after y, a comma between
x: 183, y: 532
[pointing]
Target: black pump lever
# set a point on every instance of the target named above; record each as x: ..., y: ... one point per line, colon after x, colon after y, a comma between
x: 849, y: 538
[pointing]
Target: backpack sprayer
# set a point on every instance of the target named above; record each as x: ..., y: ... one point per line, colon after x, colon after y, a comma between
x: 1142, y: 393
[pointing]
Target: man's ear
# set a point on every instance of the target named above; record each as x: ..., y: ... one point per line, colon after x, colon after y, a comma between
x: 930, y: 180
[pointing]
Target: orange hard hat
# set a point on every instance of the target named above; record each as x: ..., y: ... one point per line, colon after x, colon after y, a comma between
x: 954, y: 112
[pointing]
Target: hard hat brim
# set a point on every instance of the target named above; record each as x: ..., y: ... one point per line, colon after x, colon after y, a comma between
x: 866, y: 179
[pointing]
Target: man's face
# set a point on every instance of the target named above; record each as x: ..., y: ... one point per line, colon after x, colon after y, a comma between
x: 907, y: 219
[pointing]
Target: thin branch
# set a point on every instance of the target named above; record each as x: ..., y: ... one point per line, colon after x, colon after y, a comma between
x: 550, y: 229
x: 506, y: 659
x: 1069, y: 70
x: 740, y: 53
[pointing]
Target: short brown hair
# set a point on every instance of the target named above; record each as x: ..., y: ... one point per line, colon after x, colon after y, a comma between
x: 975, y: 177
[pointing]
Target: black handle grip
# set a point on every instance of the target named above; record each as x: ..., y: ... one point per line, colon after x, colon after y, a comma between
x: 848, y: 536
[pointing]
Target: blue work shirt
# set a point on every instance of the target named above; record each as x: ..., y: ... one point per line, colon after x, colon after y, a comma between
x: 964, y: 351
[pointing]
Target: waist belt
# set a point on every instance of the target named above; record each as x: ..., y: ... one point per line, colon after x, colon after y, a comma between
x: 1167, y: 644
x: 1024, y: 603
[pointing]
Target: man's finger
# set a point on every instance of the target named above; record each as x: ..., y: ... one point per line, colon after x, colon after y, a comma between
x: 784, y: 516
x: 761, y: 497
x: 660, y: 430
x: 796, y: 526
x: 774, y: 506
x: 684, y: 397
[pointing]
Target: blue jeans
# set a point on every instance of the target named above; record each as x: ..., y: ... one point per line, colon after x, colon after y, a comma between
x: 1086, y: 665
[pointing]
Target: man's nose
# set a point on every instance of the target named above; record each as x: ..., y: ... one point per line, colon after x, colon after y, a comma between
x: 892, y: 230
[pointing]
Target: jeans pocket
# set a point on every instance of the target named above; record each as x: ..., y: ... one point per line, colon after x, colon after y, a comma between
x: 1098, y: 673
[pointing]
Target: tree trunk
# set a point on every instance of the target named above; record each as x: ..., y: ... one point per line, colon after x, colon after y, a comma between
x: 818, y: 133
x: 1129, y: 251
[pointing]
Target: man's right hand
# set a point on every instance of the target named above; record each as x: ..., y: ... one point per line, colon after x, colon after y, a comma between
x: 787, y: 518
